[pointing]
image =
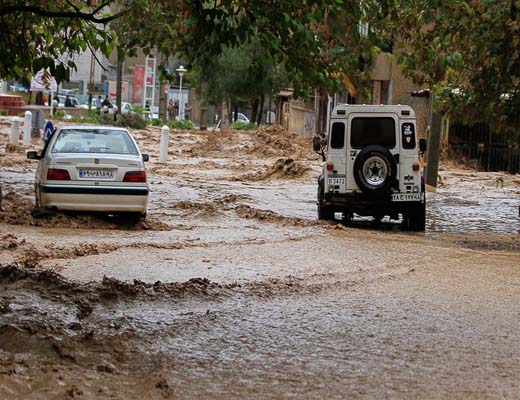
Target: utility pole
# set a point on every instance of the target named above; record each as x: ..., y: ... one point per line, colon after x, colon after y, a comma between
x: 434, y: 145
x: 204, y: 109
x: 119, y: 82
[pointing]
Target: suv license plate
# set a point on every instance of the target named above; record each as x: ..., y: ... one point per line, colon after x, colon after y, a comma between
x: 336, y: 180
x: 96, y: 174
x: 406, y: 197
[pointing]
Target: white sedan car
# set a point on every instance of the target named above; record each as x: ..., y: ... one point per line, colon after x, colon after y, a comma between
x: 91, y: 168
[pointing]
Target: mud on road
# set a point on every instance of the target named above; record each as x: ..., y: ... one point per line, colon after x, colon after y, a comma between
x: 231, y: 288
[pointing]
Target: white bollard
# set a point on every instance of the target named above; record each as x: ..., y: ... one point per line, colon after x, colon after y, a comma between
x: 27, y: 128
x: 15, y: 131
x: 165, y: 132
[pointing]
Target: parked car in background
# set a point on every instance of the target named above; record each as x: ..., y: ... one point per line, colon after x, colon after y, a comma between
x: 18, y: 87
x: 63, y: 98
x: 126, y: 107
x: 240, y: 118
x: 91, y: 168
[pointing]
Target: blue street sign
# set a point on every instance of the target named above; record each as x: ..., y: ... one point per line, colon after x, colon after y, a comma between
x: 48, y: 129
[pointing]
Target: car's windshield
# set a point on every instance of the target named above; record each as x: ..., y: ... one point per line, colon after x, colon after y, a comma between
x: 94, y: 141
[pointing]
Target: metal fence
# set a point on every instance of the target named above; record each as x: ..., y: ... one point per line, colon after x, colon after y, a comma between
x: 491, y: 151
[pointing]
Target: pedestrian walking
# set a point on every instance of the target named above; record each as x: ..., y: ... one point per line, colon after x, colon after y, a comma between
x: 171, y: 110
x: 176, y: 109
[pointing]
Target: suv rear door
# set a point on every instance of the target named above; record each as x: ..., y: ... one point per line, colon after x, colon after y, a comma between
x: 364, y: 130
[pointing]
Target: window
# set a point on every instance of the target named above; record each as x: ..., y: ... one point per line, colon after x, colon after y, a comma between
x: 94, y: 141
x: 337, y: 135
x: 408, y: 133
x: 367, y: 131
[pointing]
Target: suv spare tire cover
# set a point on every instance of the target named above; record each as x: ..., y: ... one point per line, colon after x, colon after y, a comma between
x: 375, y: 170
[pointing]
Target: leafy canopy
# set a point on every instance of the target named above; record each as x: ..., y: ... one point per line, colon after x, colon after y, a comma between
x: 316, y: 40
x: 468, y: 52
x: 37, y: 34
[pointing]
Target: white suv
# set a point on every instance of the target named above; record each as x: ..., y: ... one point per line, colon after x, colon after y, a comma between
x: 372, y: 165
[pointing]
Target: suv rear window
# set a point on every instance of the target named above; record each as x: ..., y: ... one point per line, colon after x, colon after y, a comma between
x: 367, y: 131
x: 337, y: 135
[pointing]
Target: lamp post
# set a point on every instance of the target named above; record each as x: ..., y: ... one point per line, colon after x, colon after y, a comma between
x: 181, y: 70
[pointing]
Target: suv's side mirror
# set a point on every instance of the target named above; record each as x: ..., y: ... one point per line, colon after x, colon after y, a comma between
x: 422, y: 145
x: 146, y: 157
x: 33, y: 155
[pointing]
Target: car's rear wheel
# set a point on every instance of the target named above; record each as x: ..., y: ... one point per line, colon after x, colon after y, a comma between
x: 375, y: 170
x: 416, y: 217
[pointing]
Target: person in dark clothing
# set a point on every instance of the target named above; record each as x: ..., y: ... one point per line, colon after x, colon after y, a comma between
x: 68, y: 102
x: 106, y: 103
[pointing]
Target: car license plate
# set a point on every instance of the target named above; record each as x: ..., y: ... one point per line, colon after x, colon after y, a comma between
x: 336, y: 181
x: 96, y: 174
x: 406, y: 197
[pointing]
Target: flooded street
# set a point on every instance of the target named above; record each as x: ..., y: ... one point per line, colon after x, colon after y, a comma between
x: 233, y: 289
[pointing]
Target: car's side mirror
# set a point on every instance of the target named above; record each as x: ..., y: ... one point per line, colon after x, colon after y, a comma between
x: 33, y: 155
x: 146, y: 157
x: 422, y: 145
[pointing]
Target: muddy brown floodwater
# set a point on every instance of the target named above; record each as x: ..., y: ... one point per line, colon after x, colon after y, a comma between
x: 232, y: 289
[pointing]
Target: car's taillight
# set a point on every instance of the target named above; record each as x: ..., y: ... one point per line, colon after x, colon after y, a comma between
x: 135, y: 176
x: 415, y: 166
x: 54, y: 174
x: 330, y: 166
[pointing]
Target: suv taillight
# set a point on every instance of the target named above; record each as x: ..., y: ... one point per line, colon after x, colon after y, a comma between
x: 135, y: 176
x: 54, y: 174
x: 415, y: 166
x: 330, y: 166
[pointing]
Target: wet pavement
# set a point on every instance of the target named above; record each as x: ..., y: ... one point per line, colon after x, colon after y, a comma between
x: 232, y: 289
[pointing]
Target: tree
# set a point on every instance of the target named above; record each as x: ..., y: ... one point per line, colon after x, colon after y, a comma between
x: 468, y: 52
x: 316, y: 40
x: 37, y: 34
x: 241, y: 75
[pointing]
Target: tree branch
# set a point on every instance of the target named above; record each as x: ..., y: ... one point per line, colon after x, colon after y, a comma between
x: 60, y: 14
x: 94, y: 53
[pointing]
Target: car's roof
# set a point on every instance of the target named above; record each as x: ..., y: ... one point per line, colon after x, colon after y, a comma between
x: 343, y: 110
x: 94, y: 127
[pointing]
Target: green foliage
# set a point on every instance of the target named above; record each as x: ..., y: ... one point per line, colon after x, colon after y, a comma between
x: 468, y: 52
x: 132, y: 120
x: 3, y: 112
x: 37, y: 33
x: 129, y: 120
x: 91, y: 117
x: 59, y: 114
x: 315, y: 41
x: 157, y: 122
x: 185, y: 125
x: 242, y: 126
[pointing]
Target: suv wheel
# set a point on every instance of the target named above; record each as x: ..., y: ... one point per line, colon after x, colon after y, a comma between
x: 375, y: 170
x: 416, y: 217
x: 324, y: 212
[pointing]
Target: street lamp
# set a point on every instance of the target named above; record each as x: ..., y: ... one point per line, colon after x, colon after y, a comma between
x: 181, y: 70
